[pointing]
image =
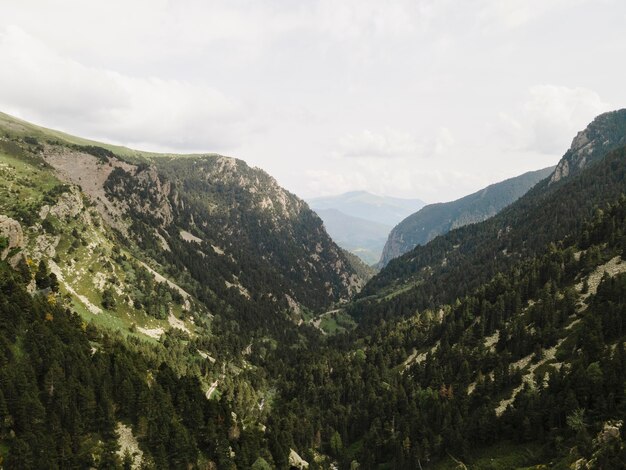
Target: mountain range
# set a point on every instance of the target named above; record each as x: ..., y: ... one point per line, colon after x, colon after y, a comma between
x: 360, y: 221
x: 185, y: 311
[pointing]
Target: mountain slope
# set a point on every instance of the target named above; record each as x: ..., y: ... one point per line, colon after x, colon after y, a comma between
x: 185, y: 270
x: 381, y: 209
x: 436, y: 219
x: 364, y: 238
x: 238, y: 236
x: 464, y: 257
x: 527, y: 370
x: 497, y: 345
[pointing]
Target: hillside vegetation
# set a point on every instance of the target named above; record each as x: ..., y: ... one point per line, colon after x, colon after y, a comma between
x: 162, y: 312
x: 436, y: 219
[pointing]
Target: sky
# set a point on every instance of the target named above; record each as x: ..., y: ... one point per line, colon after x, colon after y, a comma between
x: 409, y: 98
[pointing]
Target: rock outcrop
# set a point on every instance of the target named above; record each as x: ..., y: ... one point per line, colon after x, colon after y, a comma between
x: 295, y: 461
x: 605, y: 133
x: 11, y: 233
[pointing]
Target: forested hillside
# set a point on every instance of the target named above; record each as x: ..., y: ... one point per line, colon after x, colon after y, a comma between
x: 436, y: 219
x: 68, y: 390
x: 227, y: 233
x: 527, y: 368
x: 468, y: 256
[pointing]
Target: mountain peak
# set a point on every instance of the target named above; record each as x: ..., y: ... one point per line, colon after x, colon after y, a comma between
x: 605, y: 133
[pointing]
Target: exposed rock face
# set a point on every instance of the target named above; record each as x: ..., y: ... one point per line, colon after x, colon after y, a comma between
x: 268, y: 238
x: 12, y: 231
x: 69, y: 205
x: 90, y: 174
x: 221, y: 202
x: 606, y: 132
x: 295, y: 461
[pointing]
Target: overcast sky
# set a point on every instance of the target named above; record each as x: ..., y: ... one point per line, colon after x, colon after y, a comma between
x: 416, y: 98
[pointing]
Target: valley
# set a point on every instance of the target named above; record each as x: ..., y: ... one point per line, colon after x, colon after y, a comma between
x: 186, y: 311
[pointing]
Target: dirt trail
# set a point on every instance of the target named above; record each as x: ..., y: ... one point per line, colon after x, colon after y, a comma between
x: 212, y: 389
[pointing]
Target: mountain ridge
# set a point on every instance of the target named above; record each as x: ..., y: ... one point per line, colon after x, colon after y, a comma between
x: 436, y: 219
x: 155, y: 202
x: 456, y: 254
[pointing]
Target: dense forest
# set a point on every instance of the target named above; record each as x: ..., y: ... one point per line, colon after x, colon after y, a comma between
x: 64, y: 386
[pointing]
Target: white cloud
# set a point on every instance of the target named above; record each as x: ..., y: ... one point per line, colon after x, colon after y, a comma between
x: 389, y: 143
x: 444, y: 141
x: 549, y: 118
x: 502, y: 15
x: 162, y: 113
x: 279, y: 83
x: 394, y: 143
x: 356, y: 19
x: 393, y: 162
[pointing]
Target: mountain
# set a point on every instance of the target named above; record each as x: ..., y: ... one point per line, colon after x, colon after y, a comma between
x: 133, y: 280
x: 466, y: 256
x: 360, y: 221
x: 381, y: 209
x: 591, y: 144
x: 435, y: 219
x: 526, y: 370
x: 230, y: 228
x: 364, y: 238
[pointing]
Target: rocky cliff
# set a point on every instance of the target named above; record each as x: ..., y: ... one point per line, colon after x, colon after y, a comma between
x: 605, y: 133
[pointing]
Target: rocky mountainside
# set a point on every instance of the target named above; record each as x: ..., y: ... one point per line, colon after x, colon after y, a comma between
x: 436, y: 219
x: 606, y: 132
x: 226, y: 233
x: 192, y: 268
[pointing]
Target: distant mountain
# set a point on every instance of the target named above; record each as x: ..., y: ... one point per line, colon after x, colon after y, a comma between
x: 382, y: 209
x: 436, y: 219
x: 360, y: 222
x: 362, y: 237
